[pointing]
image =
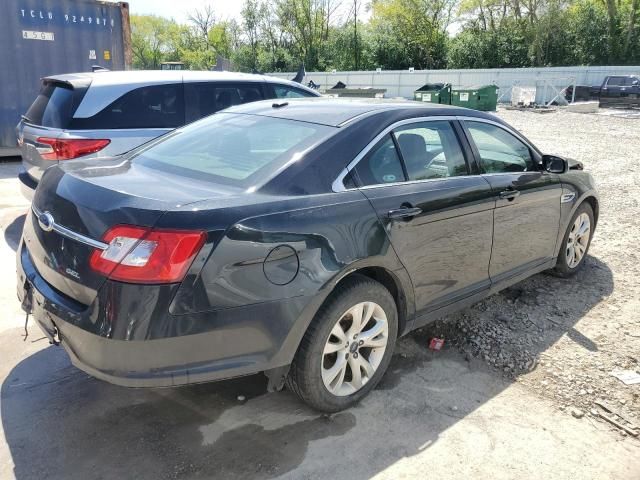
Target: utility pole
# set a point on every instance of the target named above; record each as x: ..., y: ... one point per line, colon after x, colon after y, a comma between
x: 355, y: 32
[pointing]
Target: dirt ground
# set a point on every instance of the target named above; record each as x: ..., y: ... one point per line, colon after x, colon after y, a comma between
x: 512, y: 395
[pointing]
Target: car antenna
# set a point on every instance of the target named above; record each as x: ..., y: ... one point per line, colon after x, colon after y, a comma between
x: 280, y: 105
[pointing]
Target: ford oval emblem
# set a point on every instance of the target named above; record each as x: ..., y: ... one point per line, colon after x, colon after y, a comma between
x: 46, y: 222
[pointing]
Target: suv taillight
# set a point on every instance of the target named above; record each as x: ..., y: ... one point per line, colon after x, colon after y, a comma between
x: 144, y: 255
x: 69, y: 148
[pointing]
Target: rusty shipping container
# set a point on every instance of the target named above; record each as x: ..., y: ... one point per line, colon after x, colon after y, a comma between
x: 39, y: 38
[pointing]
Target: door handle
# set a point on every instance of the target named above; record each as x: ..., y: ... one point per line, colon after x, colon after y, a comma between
x: 404, y: 212
x: 509, y: 194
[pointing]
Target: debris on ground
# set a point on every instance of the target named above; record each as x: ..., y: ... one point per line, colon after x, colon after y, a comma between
x: 617, y: 424
x: 628, y: 377
x: 436, y: 344
x: 576, y: 412
x: 627, y: 426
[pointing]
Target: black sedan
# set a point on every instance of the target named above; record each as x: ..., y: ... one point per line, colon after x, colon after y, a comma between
x: 298, y: 239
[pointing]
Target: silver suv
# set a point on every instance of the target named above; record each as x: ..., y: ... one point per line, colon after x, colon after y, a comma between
x: 102, y: 114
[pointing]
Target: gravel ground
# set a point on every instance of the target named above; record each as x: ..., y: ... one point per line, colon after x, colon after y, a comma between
x: 563, y: 338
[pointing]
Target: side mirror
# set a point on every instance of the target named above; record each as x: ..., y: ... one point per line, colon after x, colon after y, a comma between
x: 554, y: 164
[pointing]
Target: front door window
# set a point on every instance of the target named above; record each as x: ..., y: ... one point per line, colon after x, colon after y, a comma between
x: 500, y: 151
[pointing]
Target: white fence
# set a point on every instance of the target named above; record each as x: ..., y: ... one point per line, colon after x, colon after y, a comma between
x: 402, y: 83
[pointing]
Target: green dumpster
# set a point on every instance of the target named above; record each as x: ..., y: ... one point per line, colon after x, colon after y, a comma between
x: 434, y: 93
x: 483, y: 97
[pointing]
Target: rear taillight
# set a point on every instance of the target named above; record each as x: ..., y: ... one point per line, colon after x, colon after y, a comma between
x: 144, y: 255
x: 69, y: 148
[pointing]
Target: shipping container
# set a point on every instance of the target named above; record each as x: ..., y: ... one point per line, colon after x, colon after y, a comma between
x: 39, y: 38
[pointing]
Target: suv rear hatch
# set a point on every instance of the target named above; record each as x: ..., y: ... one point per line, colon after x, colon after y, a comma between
x: 89, y: 200
x: 48, y: 116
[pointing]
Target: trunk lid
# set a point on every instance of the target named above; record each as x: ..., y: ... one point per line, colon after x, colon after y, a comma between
x: 89, y: 198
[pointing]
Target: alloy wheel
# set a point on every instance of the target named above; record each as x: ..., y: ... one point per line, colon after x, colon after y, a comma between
x: 578, y: 240
x: 355, y: 348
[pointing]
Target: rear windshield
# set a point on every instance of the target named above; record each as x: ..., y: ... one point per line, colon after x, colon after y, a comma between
x: 53, y: 107
x: 232, y: 148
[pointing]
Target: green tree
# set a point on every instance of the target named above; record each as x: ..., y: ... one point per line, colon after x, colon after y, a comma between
x: 153, y: 40
x: 412, y: 33
x: 276, y: 35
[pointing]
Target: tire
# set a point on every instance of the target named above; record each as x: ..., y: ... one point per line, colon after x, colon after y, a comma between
x: 565, y: 267
x: 311, y: 369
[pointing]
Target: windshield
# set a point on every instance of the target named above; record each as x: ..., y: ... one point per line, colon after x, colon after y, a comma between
x: 231, y: 148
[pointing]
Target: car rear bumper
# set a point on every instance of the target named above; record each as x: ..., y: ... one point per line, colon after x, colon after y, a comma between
x: 239, y: 341
x: 631, y: 101
x: 27, y: 185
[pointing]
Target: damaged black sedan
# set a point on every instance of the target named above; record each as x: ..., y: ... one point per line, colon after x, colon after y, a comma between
x: 298, y: 239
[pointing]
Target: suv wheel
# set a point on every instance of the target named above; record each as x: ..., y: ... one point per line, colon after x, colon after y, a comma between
x: 347, y: 347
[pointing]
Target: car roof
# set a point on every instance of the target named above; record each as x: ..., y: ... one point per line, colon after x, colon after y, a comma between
x: 337, y: 112
x: 105, y: 87
x: 163, y: 76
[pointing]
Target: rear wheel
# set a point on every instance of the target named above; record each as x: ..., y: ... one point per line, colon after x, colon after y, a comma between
x: 576, y: 242
x: 348, y: 346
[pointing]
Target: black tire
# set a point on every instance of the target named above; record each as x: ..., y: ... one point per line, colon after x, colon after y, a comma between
x: 562, y: 268
x: 305, y: 375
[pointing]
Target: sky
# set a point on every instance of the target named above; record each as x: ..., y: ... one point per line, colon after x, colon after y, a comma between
x: 180, y: 9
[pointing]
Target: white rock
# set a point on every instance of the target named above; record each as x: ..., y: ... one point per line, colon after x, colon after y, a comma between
x: 576, y: 412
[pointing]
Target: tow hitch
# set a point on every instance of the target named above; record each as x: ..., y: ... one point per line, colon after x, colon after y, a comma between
x: 27, y: 306
x: 45, y: 323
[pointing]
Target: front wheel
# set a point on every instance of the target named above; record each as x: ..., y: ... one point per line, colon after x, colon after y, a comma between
x: 347, y: 347
x: 576, y: 242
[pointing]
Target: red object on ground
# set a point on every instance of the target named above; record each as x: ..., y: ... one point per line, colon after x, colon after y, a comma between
x: 436, y: 343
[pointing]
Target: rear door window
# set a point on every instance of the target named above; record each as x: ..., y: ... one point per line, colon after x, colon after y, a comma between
x: 284, y: 91
x: 615, y: 81
x: 381, y: 165
x: 154, y: 106
x: 53, y: 107
x: 205, y: 98
x: 431, y: 150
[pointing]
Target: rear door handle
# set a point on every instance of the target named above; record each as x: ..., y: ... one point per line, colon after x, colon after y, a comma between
x: 509, y: 194
x: 404, y: 212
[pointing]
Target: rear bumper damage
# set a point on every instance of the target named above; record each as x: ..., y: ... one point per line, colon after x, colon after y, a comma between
x: 228, y: 343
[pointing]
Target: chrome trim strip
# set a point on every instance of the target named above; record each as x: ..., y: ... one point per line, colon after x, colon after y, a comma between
x: 65, y: 232
x: 392, y: 104
x: 366, y: 114
x: 411, y: 182
x: 338, y: 185
x: 506, y: 128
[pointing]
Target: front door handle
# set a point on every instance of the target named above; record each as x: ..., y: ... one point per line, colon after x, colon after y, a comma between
x: 404, y: 212
x: 509, y: 194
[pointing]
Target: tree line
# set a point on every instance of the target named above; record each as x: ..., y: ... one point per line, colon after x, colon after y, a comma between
x: 276, y: 35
